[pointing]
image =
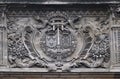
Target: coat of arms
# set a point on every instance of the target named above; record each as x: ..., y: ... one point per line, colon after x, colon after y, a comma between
x: 59, y: 43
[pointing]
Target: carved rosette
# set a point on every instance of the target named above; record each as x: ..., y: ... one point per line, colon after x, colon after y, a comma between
x: 58, y: 42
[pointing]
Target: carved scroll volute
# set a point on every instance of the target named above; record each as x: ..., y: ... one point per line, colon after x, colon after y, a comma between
x: 20, y: 49
x: 97, y: 51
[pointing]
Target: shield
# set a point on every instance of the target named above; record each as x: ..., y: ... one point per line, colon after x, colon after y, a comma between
x: 51, y: 41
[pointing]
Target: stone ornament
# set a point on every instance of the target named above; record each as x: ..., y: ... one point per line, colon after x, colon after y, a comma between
x: 58, y: 42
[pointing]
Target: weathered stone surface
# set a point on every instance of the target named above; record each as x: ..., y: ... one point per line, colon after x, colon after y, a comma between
x: 49, y: 38
x: 60, y: 1
x: 81, y: 76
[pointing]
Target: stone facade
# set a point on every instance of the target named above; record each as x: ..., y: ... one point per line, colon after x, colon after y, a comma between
x: 69, y: 39
x: 73, y: 39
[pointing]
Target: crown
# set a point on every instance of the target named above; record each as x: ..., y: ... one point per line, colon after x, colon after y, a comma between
x: 57, y: 15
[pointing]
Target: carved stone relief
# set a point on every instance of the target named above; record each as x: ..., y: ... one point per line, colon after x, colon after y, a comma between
x: 58, y: 42
x: 115, y: 11
x: 115, y: 46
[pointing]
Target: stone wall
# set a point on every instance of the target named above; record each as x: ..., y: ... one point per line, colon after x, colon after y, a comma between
x: 59, y: 76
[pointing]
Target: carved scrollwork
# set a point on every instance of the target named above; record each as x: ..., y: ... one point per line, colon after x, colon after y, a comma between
x: 58, y: 42
x: 97, y: 48
x: 19, y: 55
